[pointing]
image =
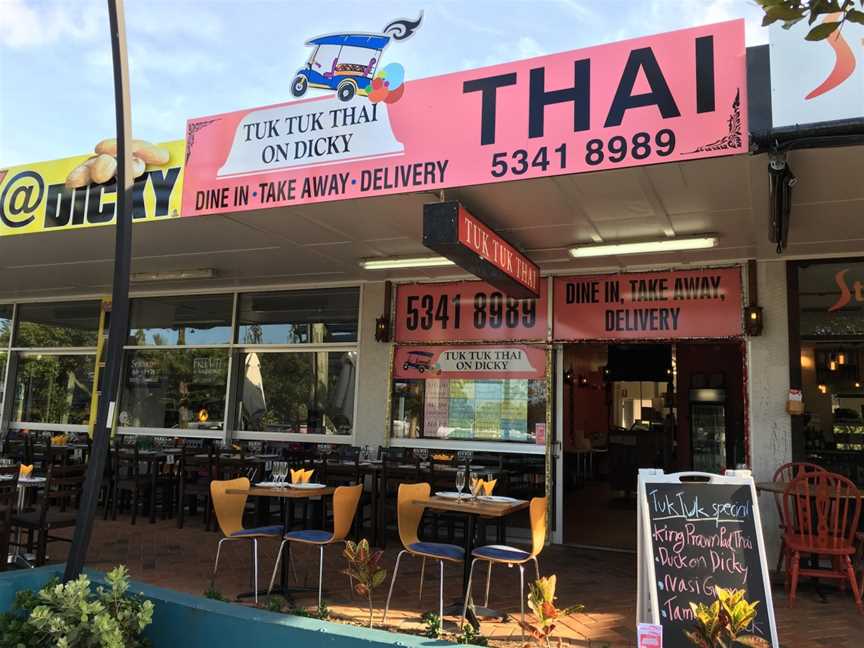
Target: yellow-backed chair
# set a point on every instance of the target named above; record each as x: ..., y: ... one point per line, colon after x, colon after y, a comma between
x: 409, y: 515
x: 229, y: 514
x: 345, y: 499
x: 505, y: 555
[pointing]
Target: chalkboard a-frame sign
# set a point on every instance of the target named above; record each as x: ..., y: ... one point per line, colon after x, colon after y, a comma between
x: 694, y: 537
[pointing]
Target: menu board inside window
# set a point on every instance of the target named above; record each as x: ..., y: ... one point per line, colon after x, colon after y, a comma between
x: 470, y: 393
x: 467, y: 311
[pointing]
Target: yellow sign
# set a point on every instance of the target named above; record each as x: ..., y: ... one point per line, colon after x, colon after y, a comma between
x: 39, y: 197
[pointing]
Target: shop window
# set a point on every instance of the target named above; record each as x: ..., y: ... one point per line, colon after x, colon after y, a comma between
x: 831, y: 321
x: 174, y: 388
x: 64, y: 324
x: 53, y: 388
x: 181, y: 320
x: 5, y: 324
x: 302, y: 393
x: 471, y: 410
x: 299, y: 317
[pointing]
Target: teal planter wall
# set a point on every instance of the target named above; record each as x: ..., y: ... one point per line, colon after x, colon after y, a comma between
x: 185, y: 621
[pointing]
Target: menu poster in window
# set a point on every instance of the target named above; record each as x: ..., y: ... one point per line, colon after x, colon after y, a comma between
x: 700, y: 543
x: 467, y: 311
x: 650, y: 305
x: 436, y: 407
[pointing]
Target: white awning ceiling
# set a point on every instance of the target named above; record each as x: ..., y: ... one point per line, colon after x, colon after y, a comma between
x: 318, y: 244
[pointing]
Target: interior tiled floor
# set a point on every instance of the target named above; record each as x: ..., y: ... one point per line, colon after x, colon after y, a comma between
x: 604, y: 582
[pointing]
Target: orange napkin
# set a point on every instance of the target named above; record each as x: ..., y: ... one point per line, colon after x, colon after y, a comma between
x: 25, y: 471
x: 301, y: 476
x: 488, y: 486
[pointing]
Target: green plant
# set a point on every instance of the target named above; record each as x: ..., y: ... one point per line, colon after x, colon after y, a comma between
x: 322, y: 612
x: 470, y: 636
x: 541, y: 601
x: 364, y: 569
x: 433, y: 625
x: 275, y: 604
x: 73, y: 615
x: 721, y: 624
x: 835, y: 13
x: 214, y: 594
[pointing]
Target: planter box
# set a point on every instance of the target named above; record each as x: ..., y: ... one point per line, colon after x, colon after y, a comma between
x: 197, y: 622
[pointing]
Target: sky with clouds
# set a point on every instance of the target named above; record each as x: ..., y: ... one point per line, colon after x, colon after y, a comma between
x: 190, y: 58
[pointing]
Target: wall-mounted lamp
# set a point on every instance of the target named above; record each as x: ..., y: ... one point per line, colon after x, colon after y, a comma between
x: 382, y: 324
x: 753, y: 321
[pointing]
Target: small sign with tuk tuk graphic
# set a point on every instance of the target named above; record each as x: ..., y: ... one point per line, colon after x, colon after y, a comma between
x: 477, y: 363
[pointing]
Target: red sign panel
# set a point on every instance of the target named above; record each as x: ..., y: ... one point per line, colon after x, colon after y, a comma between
x: 652, y: 305
x: 474, y: 363
x: 670, y: 97
x: 478, y: 238
x: 471, y: 311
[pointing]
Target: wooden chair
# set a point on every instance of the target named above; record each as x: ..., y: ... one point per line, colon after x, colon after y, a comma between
x: 56, y: 508
x: 345, y: 499
x: 510, y: 556
x: 784, y: 474
x: 409, y: 516
x: 194, y: 474
x: 8, y: 505
x: 229, y: 510
x: 820, y: 518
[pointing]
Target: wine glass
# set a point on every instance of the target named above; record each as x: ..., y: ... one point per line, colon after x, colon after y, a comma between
x: 460, y: 482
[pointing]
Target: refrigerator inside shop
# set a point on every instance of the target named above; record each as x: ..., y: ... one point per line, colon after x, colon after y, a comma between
x: 708, y: 429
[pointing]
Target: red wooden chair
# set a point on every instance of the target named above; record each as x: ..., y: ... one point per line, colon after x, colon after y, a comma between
x: 820, y: 518
x: 785, y: 474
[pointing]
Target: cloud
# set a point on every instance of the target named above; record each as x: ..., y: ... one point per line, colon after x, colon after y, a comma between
x: 28, y: 25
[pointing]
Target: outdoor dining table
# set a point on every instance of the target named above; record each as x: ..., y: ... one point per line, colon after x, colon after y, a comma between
x: 472, y: 508
x: 285, y: 493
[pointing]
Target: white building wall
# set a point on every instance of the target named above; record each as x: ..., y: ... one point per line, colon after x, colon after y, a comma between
x: 370, y: 427
x: 768, y: 389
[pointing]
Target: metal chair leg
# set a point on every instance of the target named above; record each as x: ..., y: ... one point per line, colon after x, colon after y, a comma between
x: 276, y: 567
x: 216, y: 564
x: 255, y: 568
x: 536, y: 566
x: 320, y: 574
x: 441, y: 599
x: 522, y: 599
x: 392, y: 582
x: 488, y: 584
x: 467, y: 593
x: 422, y: 572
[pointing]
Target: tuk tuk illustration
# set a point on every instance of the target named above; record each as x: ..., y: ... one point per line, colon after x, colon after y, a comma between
x: 419, y: 360
x: 347, y: 63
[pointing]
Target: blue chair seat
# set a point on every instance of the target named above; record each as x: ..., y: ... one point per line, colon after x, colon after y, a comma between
x: 438, y: 550
x: 259, y: 531
x: 310, y: 535
x: 501, y: 553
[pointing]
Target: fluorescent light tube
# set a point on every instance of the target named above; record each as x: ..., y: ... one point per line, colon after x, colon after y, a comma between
x: 172, y: 275
x: 408, y: 262
x: 644, y: 247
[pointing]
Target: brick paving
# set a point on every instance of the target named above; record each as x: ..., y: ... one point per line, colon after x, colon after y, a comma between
x: 604, y: 582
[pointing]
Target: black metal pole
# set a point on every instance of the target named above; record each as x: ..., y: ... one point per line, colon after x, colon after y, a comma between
x: 119, y: 320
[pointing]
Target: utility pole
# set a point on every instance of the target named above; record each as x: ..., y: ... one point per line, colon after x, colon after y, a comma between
x: 119, y: 319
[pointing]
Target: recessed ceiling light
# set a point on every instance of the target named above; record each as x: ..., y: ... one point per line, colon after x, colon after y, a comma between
x: 407, y: 262
x: 644, y: 247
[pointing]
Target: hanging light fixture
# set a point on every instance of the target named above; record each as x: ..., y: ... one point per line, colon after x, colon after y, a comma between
x: 823, y: 389
x: 841, y: 358
x: 832, y: 365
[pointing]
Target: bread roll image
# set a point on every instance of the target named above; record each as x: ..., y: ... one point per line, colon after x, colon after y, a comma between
x: 78, y: 177
x: 109, y: 146
x: 138, y: 167
x: 152, y: 154
x: 103, y: 169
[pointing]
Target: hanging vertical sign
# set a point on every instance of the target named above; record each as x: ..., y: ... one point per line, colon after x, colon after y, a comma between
x: 452, y: 231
